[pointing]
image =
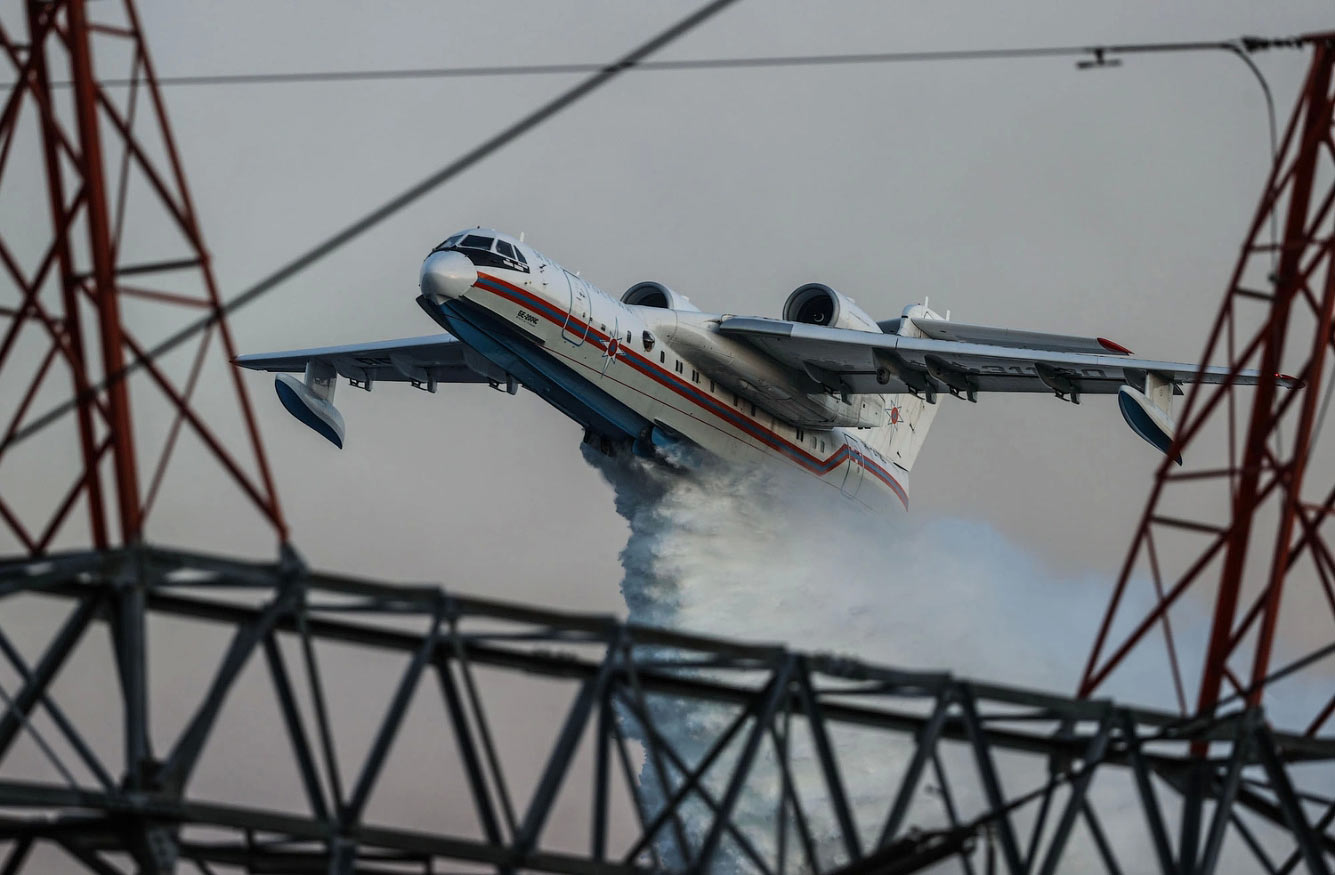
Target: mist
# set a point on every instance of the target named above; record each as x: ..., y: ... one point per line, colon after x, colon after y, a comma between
x: 762, y: 553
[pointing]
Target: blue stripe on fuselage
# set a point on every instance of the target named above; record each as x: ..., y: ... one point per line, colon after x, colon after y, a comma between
x: 557, y: 384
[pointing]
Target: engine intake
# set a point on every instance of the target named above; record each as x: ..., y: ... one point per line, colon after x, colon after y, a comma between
x: 818, y: 304
x: 652, y: 294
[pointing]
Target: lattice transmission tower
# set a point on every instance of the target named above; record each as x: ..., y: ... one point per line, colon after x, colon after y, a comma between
x: 113, y: 262
x: 1244, y: 525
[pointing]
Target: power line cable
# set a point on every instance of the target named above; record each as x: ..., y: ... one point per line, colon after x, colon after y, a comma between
x: 604, y: 75
x: 1096, y: 55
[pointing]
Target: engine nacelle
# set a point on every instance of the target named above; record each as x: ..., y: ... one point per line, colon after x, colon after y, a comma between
x: 818, y: 304
x: 651, y: 294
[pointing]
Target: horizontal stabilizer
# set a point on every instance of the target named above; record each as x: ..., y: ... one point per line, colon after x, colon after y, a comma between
x: 961, y: 332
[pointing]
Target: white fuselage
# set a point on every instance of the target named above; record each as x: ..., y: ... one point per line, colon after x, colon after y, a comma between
x: 679, y: 376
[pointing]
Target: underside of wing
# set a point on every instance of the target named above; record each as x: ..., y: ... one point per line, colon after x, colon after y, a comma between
x: 422, y: 362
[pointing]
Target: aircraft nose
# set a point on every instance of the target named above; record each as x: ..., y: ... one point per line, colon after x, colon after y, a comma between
x: 446, y: 274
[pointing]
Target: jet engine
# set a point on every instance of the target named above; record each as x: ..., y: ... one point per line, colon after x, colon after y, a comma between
x: 651, y: 294
x: 818, y: 304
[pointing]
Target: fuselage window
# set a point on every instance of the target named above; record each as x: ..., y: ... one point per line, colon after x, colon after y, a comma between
x: 799, y: 435
x: 679, y: 367
x: 711, y: 385
x: 695, y: 376
x: 753, y: 410
x: 627, y: 337
x: 662, y: 356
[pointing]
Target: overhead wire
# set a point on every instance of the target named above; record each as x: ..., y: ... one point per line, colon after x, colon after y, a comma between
x: 1099, y: 55
x: 600, y: 74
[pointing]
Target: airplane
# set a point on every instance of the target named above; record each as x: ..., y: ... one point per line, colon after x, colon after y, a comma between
x: 827, y: 388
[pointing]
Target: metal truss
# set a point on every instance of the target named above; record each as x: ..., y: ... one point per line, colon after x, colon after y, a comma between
x: 792, y: 762
x: 1249, y: 515
x: 112, y: 179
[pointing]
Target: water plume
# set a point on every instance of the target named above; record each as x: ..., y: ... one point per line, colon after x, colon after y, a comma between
x: 767, y: 553
x: 761, y: 552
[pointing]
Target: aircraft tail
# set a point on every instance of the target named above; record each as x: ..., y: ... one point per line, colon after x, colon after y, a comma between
x: 910, y: 415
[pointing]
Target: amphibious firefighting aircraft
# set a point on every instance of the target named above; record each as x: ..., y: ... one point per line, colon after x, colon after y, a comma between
x: 827, y: 388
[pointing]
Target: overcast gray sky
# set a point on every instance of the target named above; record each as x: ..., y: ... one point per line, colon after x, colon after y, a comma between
x: 1016, y: 193
x: 1019, y: 193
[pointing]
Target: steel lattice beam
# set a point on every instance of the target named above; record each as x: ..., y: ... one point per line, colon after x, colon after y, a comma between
x: 625, y: 683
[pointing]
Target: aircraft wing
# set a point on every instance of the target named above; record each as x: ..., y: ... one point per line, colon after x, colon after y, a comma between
x: 437, y: 357
x: 421, y: 361
x: 981, y: 359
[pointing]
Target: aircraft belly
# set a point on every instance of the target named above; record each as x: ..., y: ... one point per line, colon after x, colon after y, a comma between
x: 540, y: 372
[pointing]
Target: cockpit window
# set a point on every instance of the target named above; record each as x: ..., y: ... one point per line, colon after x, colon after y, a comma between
x: 478, y: 248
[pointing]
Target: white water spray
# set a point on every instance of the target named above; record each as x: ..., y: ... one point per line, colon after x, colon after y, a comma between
x: 761, y: 553
x: 767, y: 554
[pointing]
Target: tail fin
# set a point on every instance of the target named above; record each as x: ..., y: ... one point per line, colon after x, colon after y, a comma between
x: 910, y: 415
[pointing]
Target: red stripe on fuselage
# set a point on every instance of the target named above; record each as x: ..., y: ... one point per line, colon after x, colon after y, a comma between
x: 666, y: 378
